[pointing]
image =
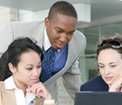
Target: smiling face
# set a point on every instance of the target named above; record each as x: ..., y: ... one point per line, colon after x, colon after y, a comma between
x: 28, y: 69
x: 110, y: 65
x: 60, y: 30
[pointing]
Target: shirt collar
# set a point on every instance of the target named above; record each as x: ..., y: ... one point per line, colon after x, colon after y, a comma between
x: 47, y: 43
x: 9, y: 83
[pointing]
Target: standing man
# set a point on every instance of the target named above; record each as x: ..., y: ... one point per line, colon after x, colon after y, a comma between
x: 57, y: 32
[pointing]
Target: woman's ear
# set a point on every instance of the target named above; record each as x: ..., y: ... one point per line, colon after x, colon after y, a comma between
x: 11, y: 68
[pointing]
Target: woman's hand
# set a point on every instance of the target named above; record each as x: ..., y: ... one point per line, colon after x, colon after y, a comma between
x: 40, y: 90
x: 116, y: 85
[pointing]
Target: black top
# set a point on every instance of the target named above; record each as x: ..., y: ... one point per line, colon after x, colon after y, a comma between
x: 95, y: 84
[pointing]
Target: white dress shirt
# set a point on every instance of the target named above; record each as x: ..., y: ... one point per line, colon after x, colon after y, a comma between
x: 19, y: 94
x: 47, y: 43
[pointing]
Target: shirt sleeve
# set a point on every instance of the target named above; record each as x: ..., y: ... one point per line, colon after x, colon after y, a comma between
x: 49, y: 101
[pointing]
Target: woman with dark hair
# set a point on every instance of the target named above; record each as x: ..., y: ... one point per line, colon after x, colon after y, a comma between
x: 20, y: 68
x: 109, y: 60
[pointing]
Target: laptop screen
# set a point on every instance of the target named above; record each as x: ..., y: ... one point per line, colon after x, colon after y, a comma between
x: 98, y: 98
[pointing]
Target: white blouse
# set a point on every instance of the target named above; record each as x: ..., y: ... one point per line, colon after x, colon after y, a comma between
x: 19, y: 94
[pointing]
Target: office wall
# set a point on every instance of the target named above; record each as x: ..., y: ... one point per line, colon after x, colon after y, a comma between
x: 7, y: 15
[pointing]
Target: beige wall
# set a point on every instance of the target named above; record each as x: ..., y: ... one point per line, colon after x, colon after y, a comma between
x: 7, y: 15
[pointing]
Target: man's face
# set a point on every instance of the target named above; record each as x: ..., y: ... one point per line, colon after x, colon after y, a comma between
x: 60, y: 30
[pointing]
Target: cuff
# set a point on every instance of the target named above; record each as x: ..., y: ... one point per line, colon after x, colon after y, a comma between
x: 49, y: 101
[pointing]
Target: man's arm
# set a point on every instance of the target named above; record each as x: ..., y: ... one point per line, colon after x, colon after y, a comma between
x: 72, y: 79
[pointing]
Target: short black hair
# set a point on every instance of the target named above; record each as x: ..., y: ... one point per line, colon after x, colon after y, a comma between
x: 62, y: 7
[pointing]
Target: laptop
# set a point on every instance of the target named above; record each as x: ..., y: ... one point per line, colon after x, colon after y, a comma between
x: 98, y: 98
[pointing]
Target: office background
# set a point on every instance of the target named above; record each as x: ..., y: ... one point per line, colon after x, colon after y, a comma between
x: 96, y: 18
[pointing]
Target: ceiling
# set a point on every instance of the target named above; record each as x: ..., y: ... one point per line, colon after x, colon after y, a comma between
x: 99, y: 8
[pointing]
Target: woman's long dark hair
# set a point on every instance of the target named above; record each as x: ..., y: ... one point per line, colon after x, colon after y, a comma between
x: 13, y: 53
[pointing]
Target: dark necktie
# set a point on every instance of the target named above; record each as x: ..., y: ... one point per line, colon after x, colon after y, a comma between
x: 47, y: 64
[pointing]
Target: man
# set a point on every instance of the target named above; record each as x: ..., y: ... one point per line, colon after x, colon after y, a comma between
x: 59, y: 31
